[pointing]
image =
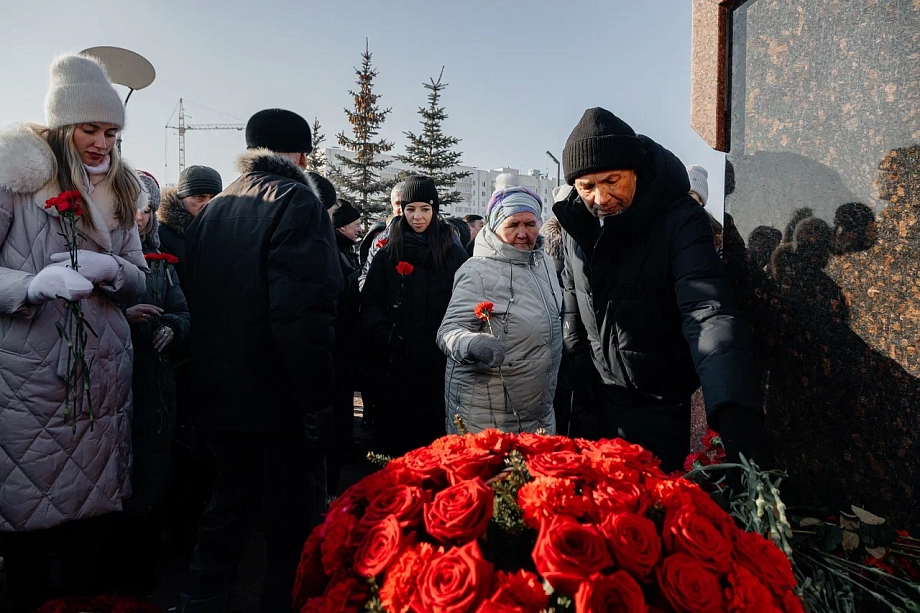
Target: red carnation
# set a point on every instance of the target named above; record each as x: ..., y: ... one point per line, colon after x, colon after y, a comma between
x: 381, y: 243
x: 484, y: 310
x: 405, y: 268
x: 67, y: 202
x: 697, y: 460
x: 712, y: 441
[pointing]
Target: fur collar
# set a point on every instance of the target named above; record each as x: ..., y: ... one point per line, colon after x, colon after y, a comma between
x: 171, y: 212
x: 27, y: 166
x: 264, y: 160
x: 26, y: 160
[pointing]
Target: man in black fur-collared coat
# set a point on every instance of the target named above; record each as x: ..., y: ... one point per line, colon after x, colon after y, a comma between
x: 263, y: 278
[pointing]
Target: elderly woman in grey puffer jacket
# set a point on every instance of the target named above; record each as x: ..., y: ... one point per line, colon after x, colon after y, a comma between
x: 504, y: 377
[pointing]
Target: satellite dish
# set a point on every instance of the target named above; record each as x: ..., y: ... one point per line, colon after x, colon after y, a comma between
x: 124, y: 67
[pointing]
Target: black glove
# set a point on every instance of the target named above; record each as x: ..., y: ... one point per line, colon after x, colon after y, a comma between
x: 742, y: 430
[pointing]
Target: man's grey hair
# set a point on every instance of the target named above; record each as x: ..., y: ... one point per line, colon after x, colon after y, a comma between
x: 396, y: 193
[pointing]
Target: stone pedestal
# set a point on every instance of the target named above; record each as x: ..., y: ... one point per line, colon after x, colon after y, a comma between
x: 817, y: 104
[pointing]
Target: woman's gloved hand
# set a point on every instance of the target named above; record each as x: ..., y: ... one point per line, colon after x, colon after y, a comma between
x: 487, y: 349
x: 96, y: 267
x: 54, y: 282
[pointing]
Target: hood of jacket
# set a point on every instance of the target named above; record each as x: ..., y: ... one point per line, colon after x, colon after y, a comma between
x: 172, y: 213
x: 489, y: 245
x: 27, y: 167
x: 552, y: 233
x: 269, y: 162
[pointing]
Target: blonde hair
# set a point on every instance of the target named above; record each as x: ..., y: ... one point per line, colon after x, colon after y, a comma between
x: 70, y: 175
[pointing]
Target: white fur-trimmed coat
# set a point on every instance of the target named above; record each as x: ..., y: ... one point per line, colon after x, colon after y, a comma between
x: 49, y: 474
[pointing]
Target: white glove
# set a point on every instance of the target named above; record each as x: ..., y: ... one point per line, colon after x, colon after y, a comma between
x: 97, y: 267
x: 53, y: 282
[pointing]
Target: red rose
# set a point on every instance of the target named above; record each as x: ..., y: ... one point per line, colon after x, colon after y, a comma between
x: 634, y: 542
x: 765, y: 560
x: 519, y: 592
x: 560, y: 464
x: 689, y: 586
x: 618, y: 497
x: 635, y: 456
x: 686, y: 531
x: 745, y: 593
x: 399, y: 585
x: 454, y: 582
x: 468, y: 463
x: 404, y: 502
x: 405, y: 268
x: 532, y: 444
x: 567, y: 553
x: 547, y: 497
x: 460, y: 513
x: 424, y: 463
x: 616, y: 593
x: 310, y: 580
x: 380, y: 546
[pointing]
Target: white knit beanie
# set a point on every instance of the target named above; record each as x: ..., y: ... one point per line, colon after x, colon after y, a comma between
x: 81, y: 92
x: 699, y: 182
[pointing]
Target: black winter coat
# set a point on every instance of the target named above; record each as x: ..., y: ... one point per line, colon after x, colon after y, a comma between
x: 264, y: 276
x: 401, y: 317
x: 174, y: 220
x: 648, y: 297
x: 154, y: 388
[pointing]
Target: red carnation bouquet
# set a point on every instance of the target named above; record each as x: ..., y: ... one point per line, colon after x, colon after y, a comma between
x: 74, y: 331
x: 160, y: 265
x: 526, y: 523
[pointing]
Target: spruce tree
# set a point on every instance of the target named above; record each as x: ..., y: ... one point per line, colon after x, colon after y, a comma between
x: 431, y: 151
x: 359, y: 178
x: 317, y: 158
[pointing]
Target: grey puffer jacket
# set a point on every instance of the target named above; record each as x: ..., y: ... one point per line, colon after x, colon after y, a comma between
x: 49, y: 473
x: 528, y: 302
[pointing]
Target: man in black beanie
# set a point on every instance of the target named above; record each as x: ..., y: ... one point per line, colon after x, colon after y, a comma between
x: 647, y: 298
x: 264, y: 277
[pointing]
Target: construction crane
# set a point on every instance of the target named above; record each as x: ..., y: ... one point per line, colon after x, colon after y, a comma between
x: 183, y: 127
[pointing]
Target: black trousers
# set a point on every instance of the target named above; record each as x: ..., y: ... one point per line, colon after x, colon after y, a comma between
x: 79, y: 546
x: 661, y: 426
x: 270, y: 474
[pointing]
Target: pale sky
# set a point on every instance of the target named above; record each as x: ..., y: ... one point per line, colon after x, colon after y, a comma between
x: 520, y: 74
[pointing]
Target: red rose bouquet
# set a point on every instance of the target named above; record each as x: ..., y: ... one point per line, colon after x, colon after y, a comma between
x: 74, y: 329
x: 525, y: 523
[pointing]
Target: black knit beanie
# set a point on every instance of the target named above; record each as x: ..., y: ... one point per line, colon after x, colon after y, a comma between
x: 326, y: 188
x: 198, y: 180
x: 344, y: 214
x: 601, y: 141
x: 280, y: 131
x: 419, y: 188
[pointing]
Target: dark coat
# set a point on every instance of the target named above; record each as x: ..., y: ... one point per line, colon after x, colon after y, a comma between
x: 154, y: 387
x: 648, y: 297
x: 264, y: 276
x: 174, y: 221
x: 401, y: 317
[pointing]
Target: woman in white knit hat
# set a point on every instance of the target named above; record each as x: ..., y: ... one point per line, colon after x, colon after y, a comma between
x: 57, y: 475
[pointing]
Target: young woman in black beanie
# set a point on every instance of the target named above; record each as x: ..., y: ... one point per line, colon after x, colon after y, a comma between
x: 404, y: 300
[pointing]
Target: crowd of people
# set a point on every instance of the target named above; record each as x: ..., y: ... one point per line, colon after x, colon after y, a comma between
x: 223, y: 378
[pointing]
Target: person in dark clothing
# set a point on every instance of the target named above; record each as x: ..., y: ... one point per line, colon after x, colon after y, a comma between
x: 264, y: 276
x: 327, y: 193
x: 180, y: 205
x: 405, y: 297
x: 475, y: 223
x: 648, y: 298
x: 347, y: 223
x: 193, y: 473
x: 461, y: 230
x: 159, y: 327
